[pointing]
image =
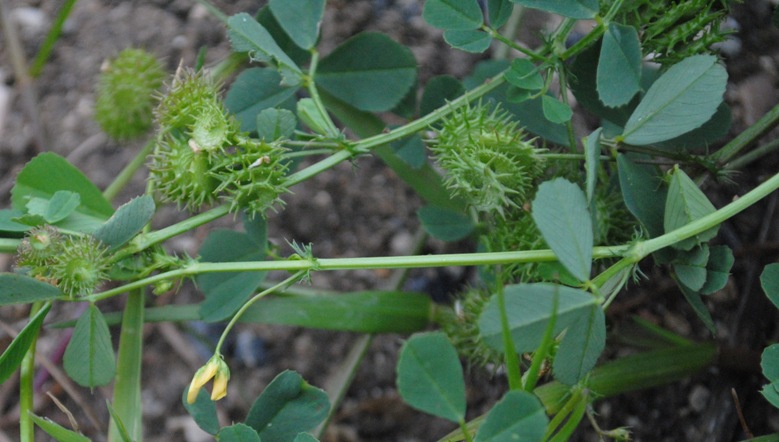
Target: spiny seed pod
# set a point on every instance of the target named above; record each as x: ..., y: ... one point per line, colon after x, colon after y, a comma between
x: 182, y: 173
x: 613, y: 222
x: 80, y: 266
x: 487, y: 160
x: 191, y: 102
x: 672, y: 30
x: 252, y: 179
x: 461, y: 326
x: 517, y: 231
x: 39, y: 246
x: 125, y: 93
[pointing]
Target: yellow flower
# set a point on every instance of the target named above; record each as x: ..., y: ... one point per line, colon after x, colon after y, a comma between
x: 215, y: 368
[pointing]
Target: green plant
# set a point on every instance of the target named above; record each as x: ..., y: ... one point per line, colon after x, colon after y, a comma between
x: 562, y: 219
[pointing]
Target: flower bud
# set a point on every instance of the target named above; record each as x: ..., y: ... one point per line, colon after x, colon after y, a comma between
x: 215, y: 368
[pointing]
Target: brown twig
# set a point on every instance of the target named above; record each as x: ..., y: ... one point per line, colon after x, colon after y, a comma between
x: 740, y: 413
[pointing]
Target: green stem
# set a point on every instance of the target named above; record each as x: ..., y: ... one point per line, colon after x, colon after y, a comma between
x: 54, y: 34
x: 753, y: 155
x: 144, y: 241
x: 26, y: 386
x: 383, y: 262
x: 280, y: 286
x: 466, y: 432
x: 9, y: 245
x: 127, y: 386
x: 564, y: 98
x: 512, y: 359
x: 573, y: 420
x: 631, y: 253
x: 332, y: 130
x: 129, y: 170
x: 427, y: 120
x: 562, y: 413
x: 531, y: 377
x: 585, y: 42
x: 510, y: 43
x: 747, y: 137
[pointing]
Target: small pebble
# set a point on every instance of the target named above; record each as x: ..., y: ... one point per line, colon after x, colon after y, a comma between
x: 699, y: 398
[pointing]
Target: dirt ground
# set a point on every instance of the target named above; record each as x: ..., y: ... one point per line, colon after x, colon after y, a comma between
x: 362, y: 209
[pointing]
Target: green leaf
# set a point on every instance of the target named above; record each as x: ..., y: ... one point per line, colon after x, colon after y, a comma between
x: 703, y: 137
x: 686, y: 203
x: 363, y: 312
x: 430, y: 377
x: 54, y: 210
x: 717, y: 269
x: 592, y: 162
x: 254, y: 90
x: 498, y: 12
x: 288, y: 406
x: 127, y: 222
x: 89, y: 356
x: 561, y: 215
x: 524, y: 75
x: 57, y: 431
x: 453, y: 14
x: 619, y: 66
x: 203, y: 411
x: 300, y: 19
x: 247, y: 35
x: 472, y: 40
x: 48, y: 173
x: 7, y: 223
x: 438, y: 91
x: 695, y: 301
x: 296, y: 53
x: 227, y: 292
x: 584, y: 85
x: 644, y: 193
x: 769, y: 280
x: 274, y: 124
x: 305, y: 437
x: 769, y: 362
x: 579, y: 9
x: 529, y: 308
x: 445, y: 224
x: 682, y: 99
x: 581, y: 346
x: 21, y: 289
x: 411, y: 150
x: 517, y: 95
x: 518, y: 417
x: 555, y: 111
x: 14, y: 354
x: 771, y: 393
x: 355, y: 74
x: 238, y: 433
x: 690, y: 267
